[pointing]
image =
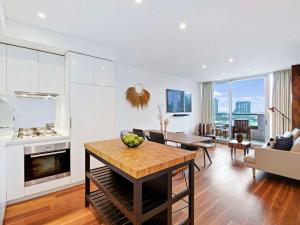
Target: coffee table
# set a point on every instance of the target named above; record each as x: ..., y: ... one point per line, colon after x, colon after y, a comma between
x: 244, y: 145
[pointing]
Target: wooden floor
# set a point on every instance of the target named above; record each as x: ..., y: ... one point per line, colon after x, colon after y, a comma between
x: 225, y: 194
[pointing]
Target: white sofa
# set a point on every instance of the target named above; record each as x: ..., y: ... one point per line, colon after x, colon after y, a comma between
x: 284, y: 163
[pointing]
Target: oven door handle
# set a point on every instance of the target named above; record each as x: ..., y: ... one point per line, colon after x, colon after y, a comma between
x: 47, y: 154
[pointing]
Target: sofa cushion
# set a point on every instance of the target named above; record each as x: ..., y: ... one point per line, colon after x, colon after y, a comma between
x: 296, y: 145
x: 296, y: 133
x: 250, y: 158
x: 284, y: 143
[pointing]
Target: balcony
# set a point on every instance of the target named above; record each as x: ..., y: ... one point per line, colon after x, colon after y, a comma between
x: 256, y: 122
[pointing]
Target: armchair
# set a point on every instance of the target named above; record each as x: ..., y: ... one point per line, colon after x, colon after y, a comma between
x: 241, y: 127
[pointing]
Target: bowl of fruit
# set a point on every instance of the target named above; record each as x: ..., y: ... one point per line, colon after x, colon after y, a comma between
x: 130, y: 139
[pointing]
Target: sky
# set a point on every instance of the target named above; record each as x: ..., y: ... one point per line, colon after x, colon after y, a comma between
x: 242, y: 90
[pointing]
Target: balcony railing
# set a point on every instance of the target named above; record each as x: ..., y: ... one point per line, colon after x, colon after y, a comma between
x: 256, y: 123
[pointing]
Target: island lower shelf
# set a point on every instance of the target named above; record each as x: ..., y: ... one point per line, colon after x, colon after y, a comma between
x: 106, y: 210
x: 120, y: 191
x: 113, y: 200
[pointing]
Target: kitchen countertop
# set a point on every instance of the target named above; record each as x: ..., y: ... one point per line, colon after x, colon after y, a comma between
x: 6, y: 140
x: 35, y: 140
x: 144, y: 160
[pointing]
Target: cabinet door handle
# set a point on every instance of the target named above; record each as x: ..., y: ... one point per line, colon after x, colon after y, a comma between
x: 47, y: 154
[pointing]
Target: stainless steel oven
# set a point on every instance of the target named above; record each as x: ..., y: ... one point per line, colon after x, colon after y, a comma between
x: 46, y: 162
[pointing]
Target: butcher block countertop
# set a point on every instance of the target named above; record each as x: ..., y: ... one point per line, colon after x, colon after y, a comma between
x: 139, y: 162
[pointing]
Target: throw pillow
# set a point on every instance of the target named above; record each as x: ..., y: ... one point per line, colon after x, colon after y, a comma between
x: 271, y: 143
x: 283, y: 143
x: 296, y: 133
x: 296, y: 145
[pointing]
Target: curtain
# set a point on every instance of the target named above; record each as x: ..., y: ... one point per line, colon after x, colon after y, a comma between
x: 207, y: 103
x: 282, y: 100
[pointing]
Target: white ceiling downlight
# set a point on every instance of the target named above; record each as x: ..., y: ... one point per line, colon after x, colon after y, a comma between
x: 182, y: 26
x: 41, y: 15
x: 231, y: 60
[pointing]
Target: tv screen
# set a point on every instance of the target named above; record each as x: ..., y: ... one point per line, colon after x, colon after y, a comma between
x: 175, y: 101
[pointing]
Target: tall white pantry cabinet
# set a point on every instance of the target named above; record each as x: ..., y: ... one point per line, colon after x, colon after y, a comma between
x: 91, y: 106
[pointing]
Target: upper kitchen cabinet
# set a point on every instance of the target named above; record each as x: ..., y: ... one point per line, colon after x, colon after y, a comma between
x: 91, y: 70
x: 104, y: 72
x: 2, y: 69
x: 51, y: 73
x: 22, y: 69
x: 81, y: 68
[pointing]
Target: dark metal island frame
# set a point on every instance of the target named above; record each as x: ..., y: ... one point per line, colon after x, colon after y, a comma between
x: 135, y: 185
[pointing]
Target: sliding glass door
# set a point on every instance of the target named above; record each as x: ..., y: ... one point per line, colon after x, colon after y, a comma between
x: 238, y: 103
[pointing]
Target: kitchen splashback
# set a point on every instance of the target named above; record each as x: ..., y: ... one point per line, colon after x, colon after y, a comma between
x: 30, y: 112
x: 6, y: 114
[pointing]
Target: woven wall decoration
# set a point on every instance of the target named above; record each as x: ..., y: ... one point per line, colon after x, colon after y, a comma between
x: 137, y: 96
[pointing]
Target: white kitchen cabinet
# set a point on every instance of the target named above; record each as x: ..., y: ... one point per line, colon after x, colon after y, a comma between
x: 2, y: 183
x: 22, y: 69
x: 92, y: 113
x: 81, y: 68
x: 104, y: 72
x: 91, y: 70
x: 2, y: 69
x: 15, y: 172
x: 51, y: 73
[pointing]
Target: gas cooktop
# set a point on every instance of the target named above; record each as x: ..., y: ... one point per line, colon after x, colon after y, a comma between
x: 35, y: 132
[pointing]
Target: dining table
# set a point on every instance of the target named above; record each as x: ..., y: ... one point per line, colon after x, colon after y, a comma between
x: 186, y: 139
x: 180, y: 137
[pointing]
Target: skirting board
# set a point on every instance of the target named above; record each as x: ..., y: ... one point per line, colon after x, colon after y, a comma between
x: 44, y: 193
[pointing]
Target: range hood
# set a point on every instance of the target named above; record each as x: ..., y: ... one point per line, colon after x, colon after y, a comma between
x: 35, y: 94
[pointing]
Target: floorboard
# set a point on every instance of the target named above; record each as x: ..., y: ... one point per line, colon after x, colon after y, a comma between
x: 225, y: 194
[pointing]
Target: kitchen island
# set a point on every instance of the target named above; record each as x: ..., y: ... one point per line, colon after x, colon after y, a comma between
x: 135, y: 185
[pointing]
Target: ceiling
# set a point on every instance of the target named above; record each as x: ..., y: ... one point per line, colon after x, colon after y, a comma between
x: 261, y: 36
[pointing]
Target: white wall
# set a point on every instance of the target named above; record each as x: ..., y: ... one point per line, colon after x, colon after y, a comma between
x: 156, y: 83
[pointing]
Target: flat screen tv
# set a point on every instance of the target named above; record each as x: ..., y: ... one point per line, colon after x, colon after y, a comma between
x: 178, y: 101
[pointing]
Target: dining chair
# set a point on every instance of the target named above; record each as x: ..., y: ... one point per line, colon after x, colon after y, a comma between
x: 207, y: 130
x: 191, y: 148
x: 175, y: 173
x: 139, y: 132
x: 157, y: 137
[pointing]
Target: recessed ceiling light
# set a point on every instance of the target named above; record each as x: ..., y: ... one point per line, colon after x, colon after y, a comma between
x: 204, y: 66
x: 223, y: 74
x: 103, y: 67
x: 182, y: 26
x: 41, y: 15
x: 231, y: 60
x: 248, y: 69
x: 138, y: 1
